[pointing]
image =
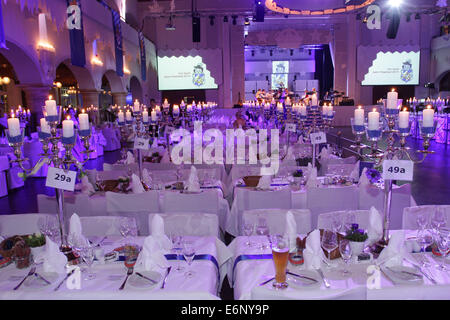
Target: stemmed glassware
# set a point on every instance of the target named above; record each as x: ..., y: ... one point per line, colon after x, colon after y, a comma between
x: 177, y: 248
x: 336, y: 223
x: 262, y: 230
x: 189, y: 254
x: 442, y: 242
x: 438, y: 219
x: 422, y: 220
x: 424, y: 239
x: 329, y: 241
x: 87, y: 254
x: 349, y: 220
x: 346, y: 254
x: 247, y: 228
x: 48, y: 226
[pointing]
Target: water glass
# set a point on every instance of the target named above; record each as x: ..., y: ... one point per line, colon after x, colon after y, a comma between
x: 262, y: 230
x: 87, y: 254
x: 329, y: 241
x: 336, y: 223
x: 177, y: 248
x: 189, y: 254
x: 346, y: 254
x: 442, y: 242
x: 247, y: 229
x: 424, y: 239
x: 349, y: 219
x: 438, y: 219
x: 422, y: 220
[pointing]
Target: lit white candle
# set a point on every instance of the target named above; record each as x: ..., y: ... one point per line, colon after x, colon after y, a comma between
x: 374, y: 120
x: 83, y: 118
x: 121, y: 116
x: 303, y: 110
x: 330, y: 110
x: 153, y: 114
x: 45, y: 128
x: 189, y: 107
x: 392, y: 98
x: 136, y: 106
x: 176, y: 110
x: 428, y: 117
x: 50, y: 107
x: 145, y: 115
x: 359, y: 116
x: 128, y: 115
x: 403, y: 119
x: 280, y: 108
x: 314, y: 101
x: 13, y: 126
x: 324, y: 110
x: 67, y: 126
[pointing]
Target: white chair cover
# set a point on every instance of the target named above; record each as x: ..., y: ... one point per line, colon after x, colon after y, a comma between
x: 102, y: 225
x: 321, y: 200
x: 276, y: 219
x: 189, y: 224
x: 133, y: 205
x: 240, y: 171
x: 339, y: 169
x: 410, y: 215
x: 362, y: 218
x: 280, y: 199
x: 206, y: 201
x: 20, y: 224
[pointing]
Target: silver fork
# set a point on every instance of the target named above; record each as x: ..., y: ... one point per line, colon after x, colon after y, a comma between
x: 129, y: 273
x: 30, y: 273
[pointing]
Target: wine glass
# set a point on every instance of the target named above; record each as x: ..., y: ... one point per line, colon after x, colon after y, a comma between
x: 438, y: 219
x: 43, y: 225
x: 346, y: 254
x: 336, y: 223
x: 424, y: 239
x: 422, y: 220
x: 329, y: 241
x: 189, y: 254
x: 247, y: 228
x: 349, y: 219
x: 124, y: 227
x: 442, y: 241
x: 262, y: 230
x: 87, y: 254
x: 177, y: 248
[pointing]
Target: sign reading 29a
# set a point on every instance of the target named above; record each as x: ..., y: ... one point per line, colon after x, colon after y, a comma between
x: 74, y: 17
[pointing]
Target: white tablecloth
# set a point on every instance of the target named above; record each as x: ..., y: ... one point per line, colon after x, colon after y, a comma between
x: 250, y: 273
x: 203, y: 285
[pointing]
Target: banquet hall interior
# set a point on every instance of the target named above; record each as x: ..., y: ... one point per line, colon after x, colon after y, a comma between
x: 224, y: 150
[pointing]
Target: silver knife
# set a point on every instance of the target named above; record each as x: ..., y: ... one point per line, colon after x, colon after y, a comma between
x: 301, y: 276
x: 65, y: 278
x: 425, y: 274
x: 325, y: 281
x: 267, y: 281
x: 165, y: 277
x: 405, y: 272
x: 41, y: 277
x: 146, y: 278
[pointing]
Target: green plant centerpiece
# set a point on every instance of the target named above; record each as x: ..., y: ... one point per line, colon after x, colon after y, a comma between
x: 35, y: 240
x: 298, y: 174
x: 357, y: 238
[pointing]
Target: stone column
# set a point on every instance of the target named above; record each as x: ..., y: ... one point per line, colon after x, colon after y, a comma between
x: 237, y: 64
x: 35, y: 96
x: 119, y: 98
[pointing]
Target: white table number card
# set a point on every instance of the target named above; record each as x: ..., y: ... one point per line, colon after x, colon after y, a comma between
x: 141, y: 143
x: 398, y: 170
x: 291, y: 127
x: 61, y: 179
x: 318, y: 137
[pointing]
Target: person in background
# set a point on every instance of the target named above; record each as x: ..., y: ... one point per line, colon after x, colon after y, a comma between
x: 240, y: 121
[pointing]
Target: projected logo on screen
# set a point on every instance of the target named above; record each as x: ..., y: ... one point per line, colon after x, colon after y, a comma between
x: 280, y: 70
x: 398, y: 68
x: 181, y: 73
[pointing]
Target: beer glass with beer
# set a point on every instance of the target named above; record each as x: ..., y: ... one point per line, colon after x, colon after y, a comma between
x: 280, y: 254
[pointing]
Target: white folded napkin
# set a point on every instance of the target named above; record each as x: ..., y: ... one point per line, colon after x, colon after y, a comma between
x: 354, y: 175
x: 395, y: 251
x: 136, y: 184
x: 130, y: 158
x: 363, y: 180
x: 375, y: 231
x: 291, y: 231
x: 157, y: 231
x: 151, y: 257
x: 308, y: 170
x: 75, y: 225
x: 155, y: 143
x: 86, y: 186
x: 193, y: 184
x: 313, y: 253
x: 165, y: 158
x: 290, y: 154
x: 264, y: 182
x: 146, y: 177
x: 312, y: 179
x: 324, y: 154
x: 54, y: 259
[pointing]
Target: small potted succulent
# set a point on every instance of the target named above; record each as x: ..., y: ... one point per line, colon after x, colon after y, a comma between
x: 36, y: 242
x: 357, y: 238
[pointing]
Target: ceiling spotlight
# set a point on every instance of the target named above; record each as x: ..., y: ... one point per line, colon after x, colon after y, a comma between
x: 395, y: 3
x: 247, y: 21
x: 365, y: 19
x: 170, y: 26
x: 234, y: 20
x: 225, y: 19
x: 211, y: 20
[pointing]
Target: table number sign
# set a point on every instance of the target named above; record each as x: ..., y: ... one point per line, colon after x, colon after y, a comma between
x: 318, y: 137
x: 398, y: 170
x: 61, y: 179
x: 141, y: 143
x: 291, y: 127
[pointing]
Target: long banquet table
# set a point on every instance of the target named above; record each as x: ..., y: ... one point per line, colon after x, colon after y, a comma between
x: 204, y: 285
x: 245, y: 276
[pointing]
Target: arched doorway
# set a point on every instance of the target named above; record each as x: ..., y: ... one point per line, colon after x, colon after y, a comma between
x: 106, y: 100
x: 136, y: 89
x: 10, y: 94
x: 66, y: 87
x: 444, y: 83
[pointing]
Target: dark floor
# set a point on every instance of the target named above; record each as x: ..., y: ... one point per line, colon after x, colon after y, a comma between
x: 430, y: 186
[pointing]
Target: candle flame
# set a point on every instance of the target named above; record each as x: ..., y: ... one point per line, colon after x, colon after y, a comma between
x: 68, y: 117
x: 12, y: 114
x: 82, y: 110
x: 374, y: 110
x: 405, y: 109
x: 429, y: 106
x: 50, y: 97
x: 393, y: 90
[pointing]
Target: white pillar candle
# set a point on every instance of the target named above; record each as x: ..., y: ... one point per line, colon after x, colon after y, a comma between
x: 359, y: 116
x: 330, y: 111
x: 83, y: 118
x: 324, y: 110
x: 13, y: 126
x: 68, y: 128
x: 374, y: 120
x: 428, y: 117
x: 153, y: 115
x: 50, y: 107
x: 121, y: 116
x: 189, y: 107
x: 403, y: 119
x: 392, y: 98
x: 176, y: 110
x: 145, y: 115
x: 303, y: 110
x: 136, y: 106
x: 45, y: 128
x: 314, y: 100
x: 280, y: 107
x: 128, y: 115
